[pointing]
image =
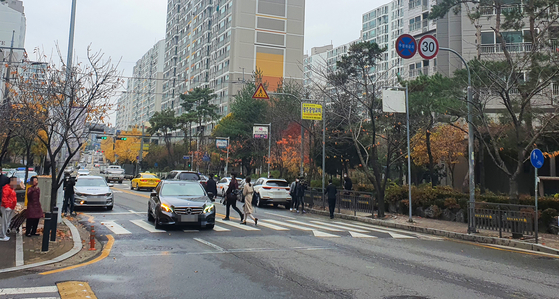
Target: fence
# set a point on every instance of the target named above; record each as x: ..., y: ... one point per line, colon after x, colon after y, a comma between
x: 348, y: 200
x: 505, y: 218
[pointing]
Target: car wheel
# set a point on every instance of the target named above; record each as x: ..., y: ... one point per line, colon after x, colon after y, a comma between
x: 210, y: 226
x: 137, y: 187
x: 120, y: 182
x: 131, y: 186
x: 157, y: 224
x: 150, y: 216
x: 275, y: 205
x: 109, y: 208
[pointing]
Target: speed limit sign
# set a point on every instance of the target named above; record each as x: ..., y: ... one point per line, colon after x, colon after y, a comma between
x: 428, y: 47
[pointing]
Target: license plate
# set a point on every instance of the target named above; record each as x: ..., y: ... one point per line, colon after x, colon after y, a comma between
x: 189, y: 218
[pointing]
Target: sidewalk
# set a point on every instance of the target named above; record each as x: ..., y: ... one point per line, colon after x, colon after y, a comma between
x: 548, y: 243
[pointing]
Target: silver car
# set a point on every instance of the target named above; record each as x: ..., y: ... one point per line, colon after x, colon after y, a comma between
x: 93, y: 191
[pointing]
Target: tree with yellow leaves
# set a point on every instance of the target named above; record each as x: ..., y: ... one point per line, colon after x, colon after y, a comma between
x: 123, y: 151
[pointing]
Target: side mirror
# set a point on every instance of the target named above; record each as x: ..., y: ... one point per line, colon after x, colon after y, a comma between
x: 111, y: 185
x: 153, y: 194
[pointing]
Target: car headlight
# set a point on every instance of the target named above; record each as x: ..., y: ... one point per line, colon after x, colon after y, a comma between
x: 209, y: 208
x: 80, y: 194
x: 166, y: 208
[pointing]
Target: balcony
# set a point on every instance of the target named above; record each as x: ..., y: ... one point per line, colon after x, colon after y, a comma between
x: 414, y: 27
x: 498, y: 48
x: 555, y: 89
x: 417, y: 72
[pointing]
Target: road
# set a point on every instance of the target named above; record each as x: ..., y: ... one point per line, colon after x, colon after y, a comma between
x: 291, y: 255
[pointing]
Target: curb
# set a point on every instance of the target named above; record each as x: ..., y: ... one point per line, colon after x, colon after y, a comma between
x: 77, y: 248
x: 448, y: 234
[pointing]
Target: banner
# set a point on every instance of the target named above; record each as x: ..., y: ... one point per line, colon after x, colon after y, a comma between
x: 260, y: 132
x: 311, y: 111
x: 221, y: 143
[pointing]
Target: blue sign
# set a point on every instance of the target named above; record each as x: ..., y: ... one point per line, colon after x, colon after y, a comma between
x: 537, y: 159
x: 155, y: 164
x: 186, y: 157
x: 206, y: 158
x: 406, y: 46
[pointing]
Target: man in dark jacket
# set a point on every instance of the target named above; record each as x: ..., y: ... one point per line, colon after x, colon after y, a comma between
x: 331, y: 191
x: 68, y: 205
x: 211, y: 186
x: 348, y: 184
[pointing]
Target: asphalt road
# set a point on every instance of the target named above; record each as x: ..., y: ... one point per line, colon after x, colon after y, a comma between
x: 292, y: 255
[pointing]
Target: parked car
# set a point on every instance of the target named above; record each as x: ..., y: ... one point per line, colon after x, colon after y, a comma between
x: 223, y: 184
x: 273, y: 191
x: 175, y: 202
x: 93, y: 191
x: 145, y: 181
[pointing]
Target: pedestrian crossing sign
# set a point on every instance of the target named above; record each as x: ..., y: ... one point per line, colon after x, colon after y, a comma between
x: 260, y: 93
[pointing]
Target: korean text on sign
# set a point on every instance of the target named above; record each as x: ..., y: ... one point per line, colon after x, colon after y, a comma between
x: 311, y: 111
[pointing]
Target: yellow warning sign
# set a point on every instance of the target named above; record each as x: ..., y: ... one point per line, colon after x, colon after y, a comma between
x: 260, y: 93
x: 311, y: 111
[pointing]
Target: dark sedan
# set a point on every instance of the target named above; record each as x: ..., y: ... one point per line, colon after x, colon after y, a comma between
x: 181, y: 203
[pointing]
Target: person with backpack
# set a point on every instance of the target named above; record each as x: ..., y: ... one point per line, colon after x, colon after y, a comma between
x: 231, y: 195
x: 248, y: 192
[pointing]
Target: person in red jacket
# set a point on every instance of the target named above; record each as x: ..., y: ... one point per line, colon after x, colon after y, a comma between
x: 34, y: 210
x: 9, y: 201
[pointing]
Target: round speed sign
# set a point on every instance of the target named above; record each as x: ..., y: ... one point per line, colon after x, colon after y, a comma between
x: 428, y: 47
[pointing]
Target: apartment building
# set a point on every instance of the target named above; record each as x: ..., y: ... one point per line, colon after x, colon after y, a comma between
x: 219, y: 44
x: 314, y: 66
x: 12, y: 25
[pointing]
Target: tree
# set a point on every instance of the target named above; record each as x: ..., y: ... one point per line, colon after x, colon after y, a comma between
x: 515, y: 75
x: 164, y: 122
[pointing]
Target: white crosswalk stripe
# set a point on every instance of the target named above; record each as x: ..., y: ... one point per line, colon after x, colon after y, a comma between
x: 50, y: 290
x: 392, y: 234
x: 287, y: 224
x: 271, y: 226
x: 237, y: 225
x: 320, y: 234
x: 341, y: 227
x: 316, y: 226
x: 115, y: 228
x: 221, y: 229
x: 150, y: 228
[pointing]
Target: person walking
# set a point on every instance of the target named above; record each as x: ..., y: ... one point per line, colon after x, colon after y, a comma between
x: 248, y: 192
x: 9, y: 202
x: 331, y: 191
x: 211, y: 186
x: 231, y: 198
x: 293, y: 191
x: 68, y: 205
x: 34, y: 210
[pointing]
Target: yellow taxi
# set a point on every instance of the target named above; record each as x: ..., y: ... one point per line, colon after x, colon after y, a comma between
x: 145, y: 181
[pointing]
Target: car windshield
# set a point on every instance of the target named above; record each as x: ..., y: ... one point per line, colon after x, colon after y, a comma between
x: 182, y: 190
x: 276, y: 184
x: 83, y: 171
x: 188, y: 176
x: 95, y: 182
x: 21, y: 174
x: 148, y: 176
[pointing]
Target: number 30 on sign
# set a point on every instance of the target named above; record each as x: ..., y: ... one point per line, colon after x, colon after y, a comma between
x: 428, y: 47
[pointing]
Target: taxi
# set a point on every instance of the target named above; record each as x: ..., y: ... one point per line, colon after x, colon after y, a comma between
x: 144, y: 181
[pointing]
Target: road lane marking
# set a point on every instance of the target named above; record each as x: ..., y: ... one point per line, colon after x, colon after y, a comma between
x: 392, y: 234
x: 320, y: 234
x: 19, y: 248
x: 360, y: 235
x: 104, y: 253
x: 280, y: 215
x: 228, y: 251
x: 115, y: 228
x: 147, y: 226
x: 216, y: 247
x: 271, y: 226
x: 221, y: 229
x: 342, y: 227
x: 35, y: 290
x: 316, y: 226
x: 134, y: 193
x: 237, y: 225
x: 75, y: 289
x: 287, y: 224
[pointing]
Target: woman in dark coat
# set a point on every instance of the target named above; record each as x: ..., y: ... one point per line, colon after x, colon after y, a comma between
x: 34, y: 210
x: 232, y: 198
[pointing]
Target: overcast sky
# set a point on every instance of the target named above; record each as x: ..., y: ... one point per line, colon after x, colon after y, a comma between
x: 126, y: 29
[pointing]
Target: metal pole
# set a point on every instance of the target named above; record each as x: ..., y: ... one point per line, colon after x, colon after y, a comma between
x: 536, y: 202
x: 227, y: 160
x: 323, y: 150
x: 141, y: 150
x: 471, y: 162
x: 8, y: 71
x: 269, y: 148
x: 409, y: 153
x: 302, y: 168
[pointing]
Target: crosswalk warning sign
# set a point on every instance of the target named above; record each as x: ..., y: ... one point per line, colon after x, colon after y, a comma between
x: 260, y: 93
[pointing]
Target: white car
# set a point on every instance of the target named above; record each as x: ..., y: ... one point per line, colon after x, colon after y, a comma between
x: 83, y: 172
x: 273, y: 191
x: 223, y: 184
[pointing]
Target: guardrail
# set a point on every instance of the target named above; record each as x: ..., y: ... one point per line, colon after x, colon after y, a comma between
x: 507, y: 218
x: 348, y: 200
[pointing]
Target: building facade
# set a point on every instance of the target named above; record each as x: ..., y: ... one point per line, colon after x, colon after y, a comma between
x: 219, y: 44
x: 314, y: 66
x: 12, y: 26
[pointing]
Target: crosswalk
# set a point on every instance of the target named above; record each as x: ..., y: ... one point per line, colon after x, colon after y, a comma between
x: 47, y: 292
x: 317, y: 228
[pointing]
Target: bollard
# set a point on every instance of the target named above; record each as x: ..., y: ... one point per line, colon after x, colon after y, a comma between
x: 54, y: 221
x: 46, y: 231
x: 92, y: 239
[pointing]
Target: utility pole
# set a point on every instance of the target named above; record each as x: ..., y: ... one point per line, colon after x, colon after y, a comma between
x: 141, y: 151
x: 9, y: 72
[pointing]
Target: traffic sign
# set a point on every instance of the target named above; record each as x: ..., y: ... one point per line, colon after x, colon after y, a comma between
x: 186, y: 157
x: 260, y: 93
x: 428, y: 47
x: 537, y: 159
x: 406, y: 46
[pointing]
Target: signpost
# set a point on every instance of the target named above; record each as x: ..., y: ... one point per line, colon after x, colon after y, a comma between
x: 406, y: 46
x: 262, y: 131
x: 428, y: 47
x: 537, y: 159
x: 260, y: 93
x: 311, y: 111
x: 221, y: 143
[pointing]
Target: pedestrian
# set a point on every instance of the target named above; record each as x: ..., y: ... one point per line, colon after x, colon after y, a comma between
x: 348, y: 184
x: 9, y: 202
x: 68, y: 205
x: 331, y: 191
x: 34, y: 210
x: 231, y: 197
x: 211, y: 187
x: 248, y: 192
x: 293, y: 192
x: 4, y: 180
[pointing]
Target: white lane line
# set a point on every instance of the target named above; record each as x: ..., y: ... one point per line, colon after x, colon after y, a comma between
x: 237, y: 225
x: 280, y: 215
x: 147, y: 226
x: 287, y: 224
x: 392, y: 234
x: 19, y: 248
x: 216, y: 247
x: 271, y: 226
x: 221, y: 229
x: 341, y: 226
x: 117, y: 213
x: 114, y: 191
x: 317, y: 226
x: 360, y: 235
x: 115, y: 228
x: 36, y: 290
x: 323, y: 234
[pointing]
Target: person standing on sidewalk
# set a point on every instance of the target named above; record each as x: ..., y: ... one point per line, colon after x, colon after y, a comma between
x: 9, y: 202
x: 331, y: 191
x: 231, y: 197
x: 248, y: 192
x: 348, y: 184
x: 293, y: 192
x: 211, y: 187
x: 68, y: 206
x: 34, y: 210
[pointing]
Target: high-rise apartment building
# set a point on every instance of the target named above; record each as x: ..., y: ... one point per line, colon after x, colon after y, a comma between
x: 219, y: 43
x: 144, y: 91
x: 314, y: 66
x: 12, y: 26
